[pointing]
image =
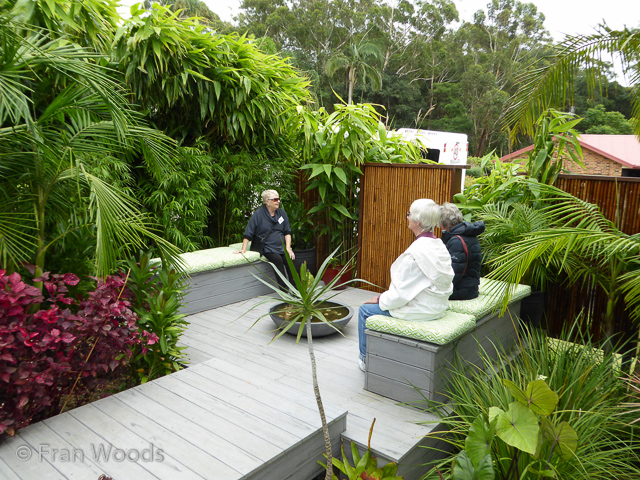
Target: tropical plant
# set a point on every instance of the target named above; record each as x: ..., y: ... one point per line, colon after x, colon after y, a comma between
x: 524, y: 426
x: 334, y: 148
x: 506, y: 225
x: 589, y: 396
x: 554, y: 138
x: 365, y: 467
x: 499, y: 186
x: 50, y: 354
x: 582, y: 244
x: 60, y: 115
x: 90, y: 24
x: 305, y: 297
x: 552, y: 84
x: 157, y: 299
x: 357, y: 66
x: 633, y: 382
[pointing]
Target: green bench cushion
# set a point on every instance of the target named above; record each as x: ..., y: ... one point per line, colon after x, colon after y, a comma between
x: 490, y: 298
x: 460, y: 317
x: 441, y: 331
x: 213, y: 259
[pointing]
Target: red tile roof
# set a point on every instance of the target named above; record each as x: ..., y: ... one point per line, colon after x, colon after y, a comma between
x: 623, y: 149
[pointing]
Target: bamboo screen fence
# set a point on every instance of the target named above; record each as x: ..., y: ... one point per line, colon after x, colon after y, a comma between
x: 387, y: 192
x: 616, y: 196
x: 619, y: 200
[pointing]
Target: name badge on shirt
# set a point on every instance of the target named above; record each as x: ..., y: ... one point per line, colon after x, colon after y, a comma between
x: 280, y: 220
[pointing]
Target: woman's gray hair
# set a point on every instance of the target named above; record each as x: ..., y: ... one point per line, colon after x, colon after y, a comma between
x: 426, y: 212
x: 450, y: 216
x: 269, y: 194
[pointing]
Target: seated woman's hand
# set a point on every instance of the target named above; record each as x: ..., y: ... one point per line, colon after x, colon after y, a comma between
x: 373, y: 300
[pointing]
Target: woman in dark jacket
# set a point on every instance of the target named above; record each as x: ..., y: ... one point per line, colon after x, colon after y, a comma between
x: 461, y: 240
x: 270, y: 225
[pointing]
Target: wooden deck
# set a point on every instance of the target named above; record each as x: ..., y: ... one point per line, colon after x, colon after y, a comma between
x: 243, y: 410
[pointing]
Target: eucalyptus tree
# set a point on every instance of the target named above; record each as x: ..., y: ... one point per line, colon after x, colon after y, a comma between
x: 552, y: 85
x: 60, y: 115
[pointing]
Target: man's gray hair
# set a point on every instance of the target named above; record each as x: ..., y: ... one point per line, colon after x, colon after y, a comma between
x: 426, y: 212
x: 268, y: 195
x: 450, y: 216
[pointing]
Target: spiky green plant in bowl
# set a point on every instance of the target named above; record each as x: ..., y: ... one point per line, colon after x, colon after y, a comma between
x: 306, y: 296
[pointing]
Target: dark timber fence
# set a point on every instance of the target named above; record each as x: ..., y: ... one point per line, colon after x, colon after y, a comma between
x: 619, y: 201
x: 387, y: 192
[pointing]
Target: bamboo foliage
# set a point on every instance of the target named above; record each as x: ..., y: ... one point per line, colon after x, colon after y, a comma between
x: 197, y: 84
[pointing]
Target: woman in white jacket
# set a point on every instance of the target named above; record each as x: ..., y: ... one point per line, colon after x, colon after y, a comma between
x: 421, y: 278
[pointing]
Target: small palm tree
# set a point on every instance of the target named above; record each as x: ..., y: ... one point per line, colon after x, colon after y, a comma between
x: 581, y: 243
x: 359, y: 65
x: 552, y: 84
x: 60, y: 114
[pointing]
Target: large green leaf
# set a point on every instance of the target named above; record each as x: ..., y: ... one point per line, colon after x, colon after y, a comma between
x: 538, y: 396
x: 464, y: 468
x: 478, y: 442
x: 518, y: 426
x: 563, y: 438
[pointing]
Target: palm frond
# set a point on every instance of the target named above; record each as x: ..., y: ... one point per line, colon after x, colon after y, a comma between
x: 552, y: 85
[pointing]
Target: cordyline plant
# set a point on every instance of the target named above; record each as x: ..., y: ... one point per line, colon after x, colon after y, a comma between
x: 65, y: 344
x: 305, y: 297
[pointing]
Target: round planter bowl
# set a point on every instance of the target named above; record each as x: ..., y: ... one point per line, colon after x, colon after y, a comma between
x: 318, y: 329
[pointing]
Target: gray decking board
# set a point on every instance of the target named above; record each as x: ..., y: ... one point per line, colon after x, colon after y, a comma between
x: 223, y: 332
x: 195, y: 442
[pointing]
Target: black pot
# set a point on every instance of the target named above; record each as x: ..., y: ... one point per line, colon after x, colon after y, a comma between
x: 532, y: 308
x: 309, y: 256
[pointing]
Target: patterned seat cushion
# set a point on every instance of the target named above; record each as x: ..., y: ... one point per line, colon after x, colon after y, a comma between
x: 213, y: 258
x: 490, y: 298
x: 203, y: 260
x: 232, y: 259
x: 441, y: 331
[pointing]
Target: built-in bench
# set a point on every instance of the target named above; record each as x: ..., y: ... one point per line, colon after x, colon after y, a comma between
x: 408, y: 360
x: 219, y: 276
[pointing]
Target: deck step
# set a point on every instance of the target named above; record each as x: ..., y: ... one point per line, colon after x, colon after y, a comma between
x: 208, y: 422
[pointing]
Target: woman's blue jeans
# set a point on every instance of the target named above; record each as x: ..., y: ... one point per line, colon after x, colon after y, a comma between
x: 367, y: 310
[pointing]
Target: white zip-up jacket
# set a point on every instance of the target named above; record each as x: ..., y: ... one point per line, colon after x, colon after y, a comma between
x: 421, y: 282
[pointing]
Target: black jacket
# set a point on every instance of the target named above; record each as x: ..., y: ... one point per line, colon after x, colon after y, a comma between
x: 261, y: 222
x: 464, y: 287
